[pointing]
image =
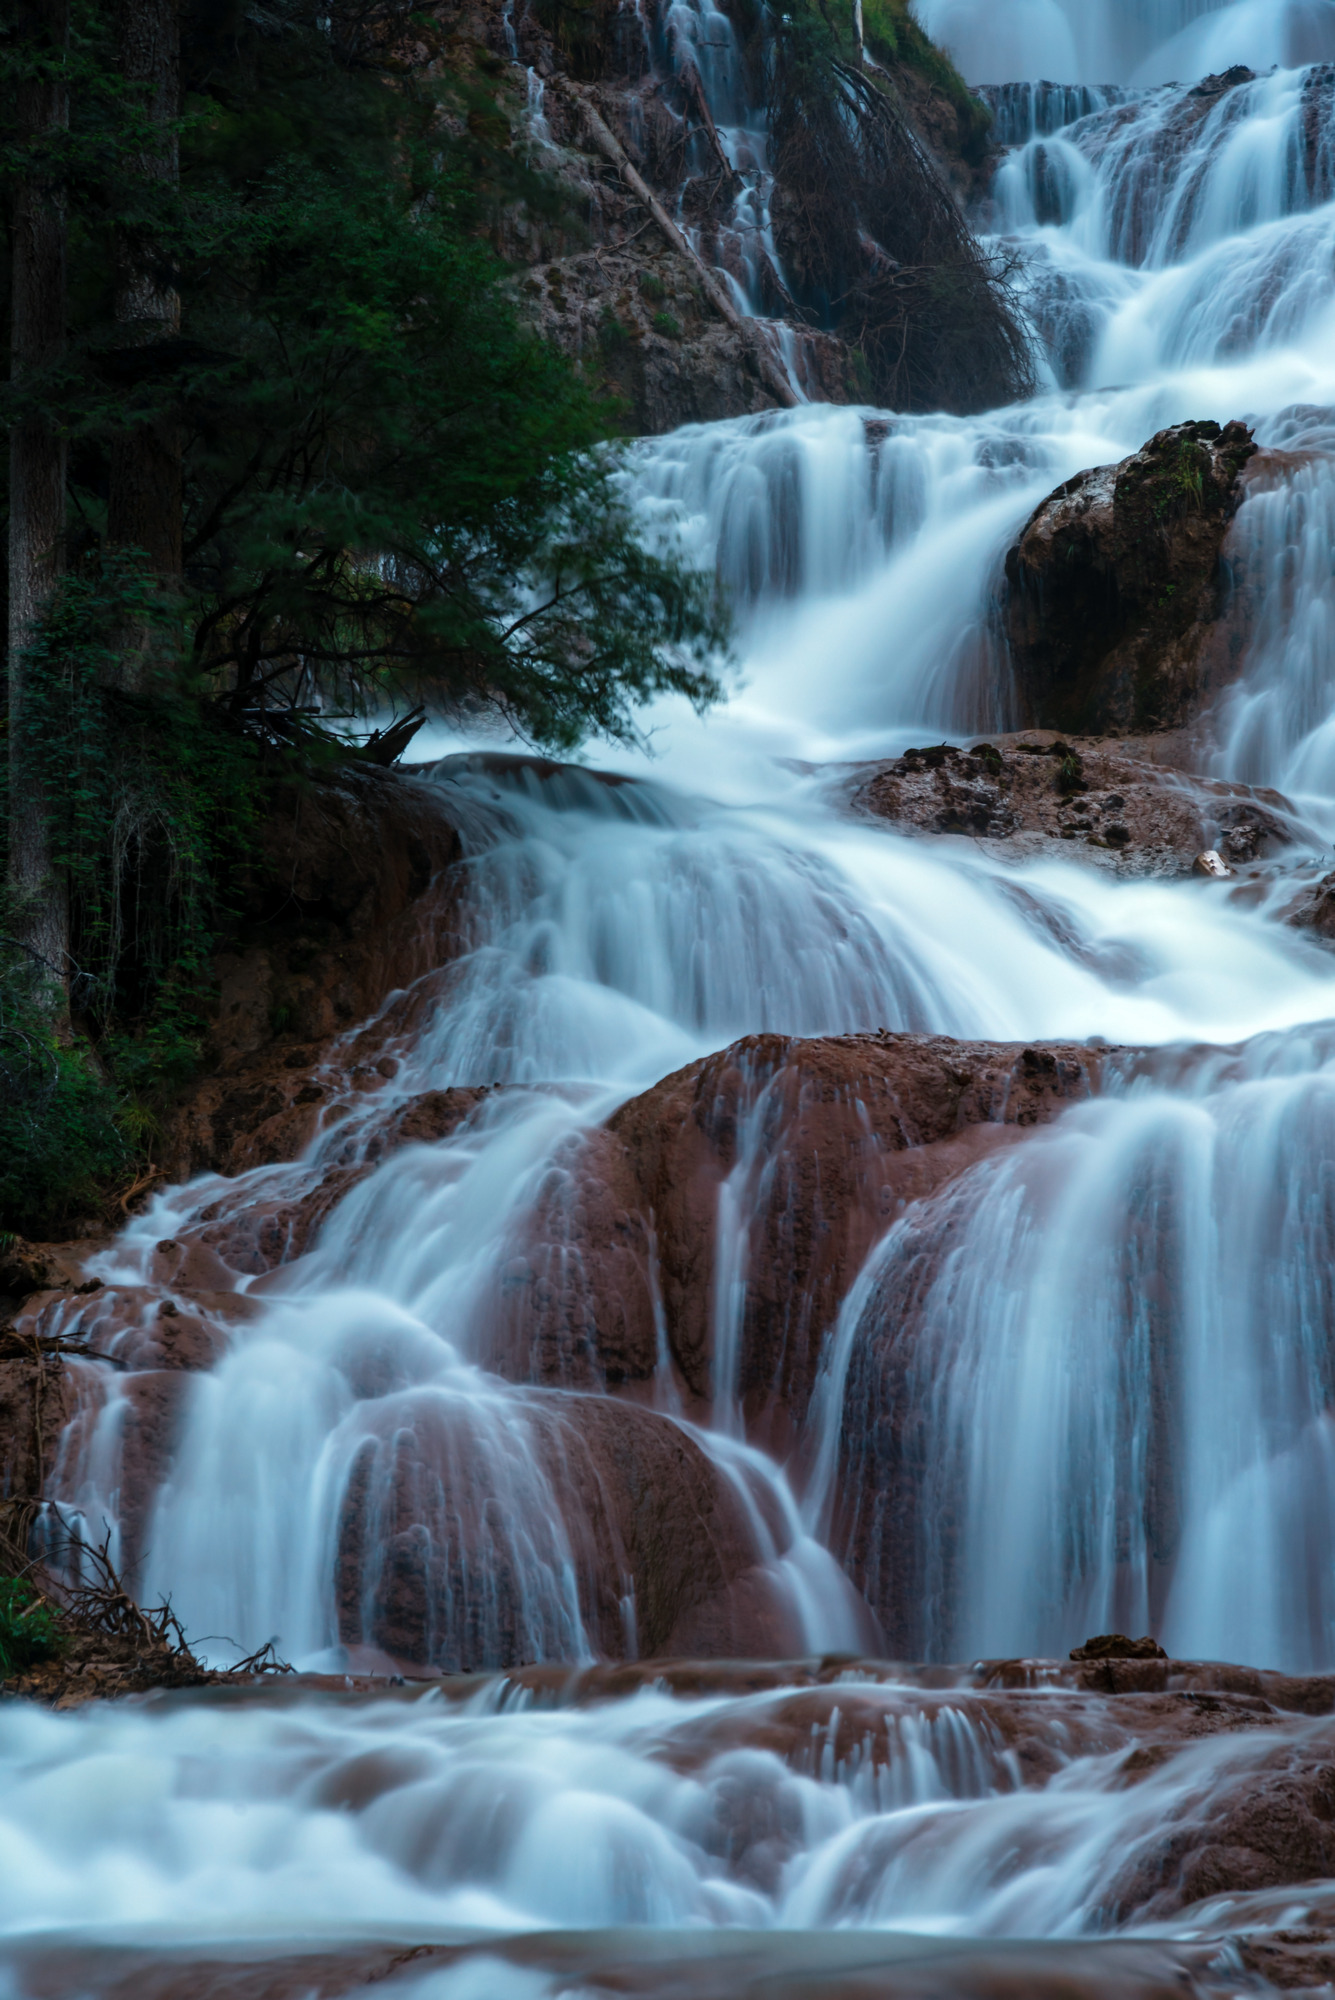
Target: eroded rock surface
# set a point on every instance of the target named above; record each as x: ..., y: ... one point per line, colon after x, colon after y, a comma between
x: 1104, y: 800
x: 661, y: 1543
x: 351, y: 897
x: 823, y: 1141
x: 610, y: 1287
x: 1117, y: 607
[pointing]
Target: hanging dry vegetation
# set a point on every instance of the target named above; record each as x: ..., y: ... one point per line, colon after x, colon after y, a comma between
x: 874, y: 243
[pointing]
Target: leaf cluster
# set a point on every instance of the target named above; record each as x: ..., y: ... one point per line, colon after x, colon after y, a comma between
x: 393, y: 493
x: 396, y: 490
x: 151, y: 796
x: 392, y: 488
x: 61, y: 1138
x: 29, y: 1628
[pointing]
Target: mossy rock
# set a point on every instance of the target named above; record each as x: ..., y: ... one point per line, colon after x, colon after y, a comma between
x: 1117, y: 605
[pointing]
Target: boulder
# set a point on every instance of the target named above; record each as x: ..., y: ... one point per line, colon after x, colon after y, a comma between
x: 1264, y: 1823
x: 1313, y: 909
x: 1116, y: 605
x: 441, y: 1515
x: 824, y: 1141
x: 1082, y: 798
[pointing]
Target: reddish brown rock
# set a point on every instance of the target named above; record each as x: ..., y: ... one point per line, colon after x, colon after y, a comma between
x: 574, y: 1305
x: 829, y: 1138
x: 1256, y: 1829
x: 662, y: 1545
x: 351, y: 897
x: 38, y: 1399
x: 1116, y: 607
x: 249, y: 1230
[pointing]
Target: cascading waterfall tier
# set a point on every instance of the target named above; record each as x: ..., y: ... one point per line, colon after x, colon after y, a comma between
x: 1120, y: 41
x: 1083, y: 1380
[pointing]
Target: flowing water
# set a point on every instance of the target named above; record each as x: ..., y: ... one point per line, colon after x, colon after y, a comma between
x: 1115, y: 1340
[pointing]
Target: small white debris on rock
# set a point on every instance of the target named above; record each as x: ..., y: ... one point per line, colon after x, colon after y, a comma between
x: 1213, y: 864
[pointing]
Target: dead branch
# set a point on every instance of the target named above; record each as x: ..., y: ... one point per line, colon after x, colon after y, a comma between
x: 264, y: 1660
x: 103, y: 1604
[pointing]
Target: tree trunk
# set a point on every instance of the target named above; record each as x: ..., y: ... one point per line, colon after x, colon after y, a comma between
x: 36, y: 481
x: 144, y: 500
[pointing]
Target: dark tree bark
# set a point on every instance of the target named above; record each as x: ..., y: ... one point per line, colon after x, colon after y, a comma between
x: 36, y: 478
x: 144, y: 501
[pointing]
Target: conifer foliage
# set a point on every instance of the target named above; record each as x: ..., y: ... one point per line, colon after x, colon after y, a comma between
x: 281, y: 457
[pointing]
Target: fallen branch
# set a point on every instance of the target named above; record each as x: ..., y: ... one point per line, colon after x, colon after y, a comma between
x: 264, y: 1660
x: 612, y: 150
x: 40, y: 1347
x: 140, y: 1186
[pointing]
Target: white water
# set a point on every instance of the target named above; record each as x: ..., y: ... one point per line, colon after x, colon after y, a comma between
x: 425, y: 1819
x: 1123, y: 1362
x: 1143, y: 1296
x: 1119, y: 41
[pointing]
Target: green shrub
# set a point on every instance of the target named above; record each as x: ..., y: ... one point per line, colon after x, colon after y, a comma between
x: 667, y: 323
x: 892, y: 35
x: 29, y: 1632
x: 62, y: 1146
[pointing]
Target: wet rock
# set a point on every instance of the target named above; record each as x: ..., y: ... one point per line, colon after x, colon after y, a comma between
x: 1263, y: 1824
x: 26, y: 1268
x: 1116, y: 1646
x: 824, y: 1142
x: 1116, y: 605
x: 1314, y: 909
x: 349, y: 899
x: 645, y: 1964
x: 1212, y: 865
x: 1106, y: 802
x: 574, y: 1306
x: 660, y: 1542
x: 249, y: 1231
x: 38, y: 1398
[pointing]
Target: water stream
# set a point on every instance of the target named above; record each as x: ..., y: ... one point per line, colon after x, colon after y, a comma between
x: 1115, y: 1339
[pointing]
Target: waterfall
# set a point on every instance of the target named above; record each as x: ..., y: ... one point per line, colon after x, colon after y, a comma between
x: 445, y: 1424
x: 1120, y: 41
x: 385, y: 1456
x: 1117, y: 1347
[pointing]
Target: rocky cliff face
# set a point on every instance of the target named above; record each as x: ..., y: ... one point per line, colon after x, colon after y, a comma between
x: 826, y: 213
x: 349, y: 897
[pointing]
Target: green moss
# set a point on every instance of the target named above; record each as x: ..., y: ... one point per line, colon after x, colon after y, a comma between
x: 666, y: 324
x: 63, y: 1146
x: 612, y: 335
x: 893, y: 35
